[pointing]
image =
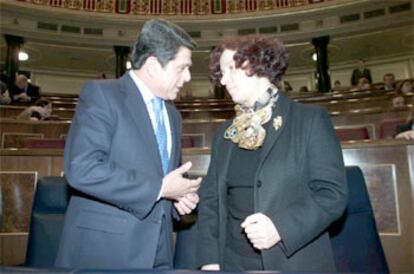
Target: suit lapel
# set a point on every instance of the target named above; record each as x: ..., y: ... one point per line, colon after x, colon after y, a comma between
x: 174, y: 138
x: 281, y: 110
x: 136, y: 106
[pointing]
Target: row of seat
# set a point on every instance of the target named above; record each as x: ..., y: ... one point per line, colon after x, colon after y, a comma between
x: 354, y: 237
x: 331, y: 101
x: 388, y: 129
x: 385, y: 163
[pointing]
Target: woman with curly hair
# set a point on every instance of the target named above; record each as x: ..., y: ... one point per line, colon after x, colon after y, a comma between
x: 276, y: 179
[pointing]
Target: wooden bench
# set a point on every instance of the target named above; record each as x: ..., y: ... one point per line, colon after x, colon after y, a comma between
x: 14, y: 111
x: 200, y: 131
x: 386, y: 165
x: 13, y: 132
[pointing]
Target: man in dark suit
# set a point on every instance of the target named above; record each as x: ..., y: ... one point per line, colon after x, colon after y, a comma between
x: 360, y: 72
x: 23, y: 91
x: 122, y: 154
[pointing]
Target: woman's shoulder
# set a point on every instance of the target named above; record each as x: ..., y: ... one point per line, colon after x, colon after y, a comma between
x: 306, y: 109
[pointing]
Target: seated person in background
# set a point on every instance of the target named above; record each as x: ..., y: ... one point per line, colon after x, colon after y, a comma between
x: 407, y: 131
x: 363, y: 84
x: 42, y: 110
x: 23, y: 91
x: 405, y: 87
x: 286, y: 86
x: 389, y: 82
x: 100, y: 75
x: 4, y: 94
x: 303, y: 89
x: 337, y: 84
x: 398, y: 101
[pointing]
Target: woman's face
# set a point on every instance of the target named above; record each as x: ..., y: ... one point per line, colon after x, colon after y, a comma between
x: 406, y: 87
x: 240, y: 86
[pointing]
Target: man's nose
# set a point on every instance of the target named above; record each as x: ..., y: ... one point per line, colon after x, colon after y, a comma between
x: 223, y: 79
x: 187, y: 75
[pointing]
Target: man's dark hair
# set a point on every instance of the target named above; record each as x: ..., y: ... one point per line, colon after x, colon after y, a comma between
x: 161, y: 39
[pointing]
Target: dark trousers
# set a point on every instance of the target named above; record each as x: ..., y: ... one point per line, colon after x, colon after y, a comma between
x: 163, y: 257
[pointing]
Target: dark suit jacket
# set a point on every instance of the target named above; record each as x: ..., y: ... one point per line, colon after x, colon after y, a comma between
x: 300, y: 185
x: 31, y: 90
x: 406, y: 127
x: 357, y: 74
x: 111, y: 156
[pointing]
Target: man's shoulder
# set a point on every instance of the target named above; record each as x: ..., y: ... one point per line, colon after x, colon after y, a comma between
x: 104, y: 86
x: 33, y: 87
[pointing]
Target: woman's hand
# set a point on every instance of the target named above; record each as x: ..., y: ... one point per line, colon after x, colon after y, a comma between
x: 260, y: 231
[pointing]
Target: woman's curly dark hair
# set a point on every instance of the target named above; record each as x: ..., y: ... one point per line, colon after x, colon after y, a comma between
x: 265, y: 56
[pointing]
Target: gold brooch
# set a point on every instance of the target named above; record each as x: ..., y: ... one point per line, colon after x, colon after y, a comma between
x: 277, y: 122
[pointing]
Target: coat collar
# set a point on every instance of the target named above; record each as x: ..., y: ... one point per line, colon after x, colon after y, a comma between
x: 280, y: 112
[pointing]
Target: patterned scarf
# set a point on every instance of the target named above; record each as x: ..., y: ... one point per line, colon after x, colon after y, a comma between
x: 246, y: 129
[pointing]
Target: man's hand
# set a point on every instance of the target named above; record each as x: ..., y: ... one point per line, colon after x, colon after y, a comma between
x: 260, y: 231
x: 23, y: 97
x: 187, y: 203
x: 407, y: 135
x: 175, y: 186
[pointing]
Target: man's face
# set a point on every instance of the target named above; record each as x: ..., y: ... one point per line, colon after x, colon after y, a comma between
x: 20, y: 83
x: 389, y: 80
x: 174, y: 74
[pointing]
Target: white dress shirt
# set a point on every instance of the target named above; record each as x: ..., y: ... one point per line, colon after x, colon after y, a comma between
x: 147, y: 95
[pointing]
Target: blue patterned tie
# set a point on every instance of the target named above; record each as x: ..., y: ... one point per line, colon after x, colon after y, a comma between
x: 160, y: 133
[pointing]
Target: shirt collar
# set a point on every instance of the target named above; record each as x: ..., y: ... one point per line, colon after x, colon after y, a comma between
x: 146, y: 93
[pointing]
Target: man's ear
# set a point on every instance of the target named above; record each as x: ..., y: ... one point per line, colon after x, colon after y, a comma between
x: 153, y: 66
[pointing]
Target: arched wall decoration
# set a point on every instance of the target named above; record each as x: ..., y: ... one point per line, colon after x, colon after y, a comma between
x: 174, y: 7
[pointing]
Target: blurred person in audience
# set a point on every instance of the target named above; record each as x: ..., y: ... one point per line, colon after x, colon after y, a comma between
x: 363, y: 84
x: 4, y: 94
x: 407, y: 131
x: 337, y: 86
x: 276, y: 179
x: 100, y: 75
x: 303, y: 89
x: 389, y: 82
x: 287, y: 87
x: 122, y: 154
x: 40, y: 111
x: 23, y: 91
x: 398, y: 102
x: 360, y: 72
x: 405, y: 87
